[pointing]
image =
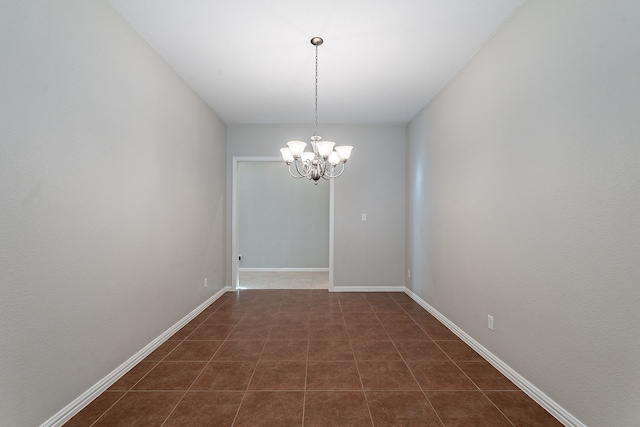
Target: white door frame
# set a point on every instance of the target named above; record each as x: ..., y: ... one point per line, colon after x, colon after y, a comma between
x: 235, y: 250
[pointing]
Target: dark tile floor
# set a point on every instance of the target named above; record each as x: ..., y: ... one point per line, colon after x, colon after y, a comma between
x: 313, y: 358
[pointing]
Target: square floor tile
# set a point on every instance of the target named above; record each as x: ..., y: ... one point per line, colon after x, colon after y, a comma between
x: 221, y: 318
x: 333, y: 376
x: 395, y: 318
x: 271, y: 408
x: 193, y: 351
x: 379, y: 297
x: 383, y: 375
x: 325, y: 306
x: 405, y: 332
x: 170, y: 376
x: 401, y: 408
x: 271, y: 375
x: 421, y: 316
x: 367, y: 332
x: 330, y: 351
x: 183, y: 332
x: 335, y: 408
x: 95, y: 409
x: 252, y: 332
x: 326, y: 318
x: 328, y: 332
x: 521, y: 410
x: 361, y: 319
x: 375, y: 350
x: 466, y: 408
x: 134, y: 375
x: 148, y: 409
x: 205, y: 409
x: 253, y: 318
x: 239, y: 351
x: 210, y: 332
x: 200, y: 318
x: 223, y: 376
x: 437, y: 331
x: 356, y: 307
x: 300, y: 306
x: 427, y: 321
x: 289, y: 332
x: 232, y: 311
x: 401, y: 297
x: 352, y: 297
x: 440, y: 375
x: 459, y: 351
x: 292, y: 318
x: 285, y: 351
x: 421, y: 350
x: 486, y: 376
x: 386, y: 307
x: 412, y: 306
x: 159, y: 353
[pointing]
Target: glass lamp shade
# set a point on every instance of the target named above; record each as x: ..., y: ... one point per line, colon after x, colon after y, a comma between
x: 334, y: 158
x: 286, y: 155
x: 325, y: 148
x: 344, y: 151
x: 296, y: 147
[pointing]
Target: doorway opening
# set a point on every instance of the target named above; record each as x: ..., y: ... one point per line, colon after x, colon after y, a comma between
x: 282, y: 228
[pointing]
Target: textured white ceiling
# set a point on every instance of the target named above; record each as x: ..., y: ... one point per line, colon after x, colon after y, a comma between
x: 381, y: 61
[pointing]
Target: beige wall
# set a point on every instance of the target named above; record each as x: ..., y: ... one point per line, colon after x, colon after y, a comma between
x: 524, y: 203
x: 112, y: 179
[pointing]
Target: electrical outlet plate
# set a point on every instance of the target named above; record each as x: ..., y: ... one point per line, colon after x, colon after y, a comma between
x: 205, y: 282
x: 490, y: 322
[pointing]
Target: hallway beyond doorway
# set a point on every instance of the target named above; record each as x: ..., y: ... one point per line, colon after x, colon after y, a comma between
x: 283, y: 280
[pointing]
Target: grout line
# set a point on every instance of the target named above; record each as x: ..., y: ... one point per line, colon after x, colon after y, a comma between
x: 355, y: 359
x: 107, y: 410
x: 201, y: 371
x: 306, y: 375
x: 413, y: 375
x: 254, y: 370
x: 174, y: 408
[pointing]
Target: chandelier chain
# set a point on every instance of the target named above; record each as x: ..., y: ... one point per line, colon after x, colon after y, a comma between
x: 316, y: 122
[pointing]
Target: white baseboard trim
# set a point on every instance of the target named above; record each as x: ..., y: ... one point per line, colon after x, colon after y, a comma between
x: 368, y: 289
x: 88, y: 396
x: 283, y: 270
x: 525, y: 385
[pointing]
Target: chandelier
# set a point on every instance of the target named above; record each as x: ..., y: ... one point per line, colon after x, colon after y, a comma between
x: 325, y: 160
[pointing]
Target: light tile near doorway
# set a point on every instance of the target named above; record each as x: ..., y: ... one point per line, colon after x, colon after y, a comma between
x: 283, y: 280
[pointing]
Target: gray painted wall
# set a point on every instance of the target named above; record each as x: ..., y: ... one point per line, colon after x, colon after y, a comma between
x: 283, y: 222
x: 524, y: 203
x: 367, y: 254
x: 112, y: 211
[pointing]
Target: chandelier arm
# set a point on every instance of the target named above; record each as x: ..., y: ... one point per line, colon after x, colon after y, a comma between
x: 328, y: 171
x: 323, y: 168
x: 305, y: 170
x: 327, y: 176
x: 292, y: 174
x: 332, y: 175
